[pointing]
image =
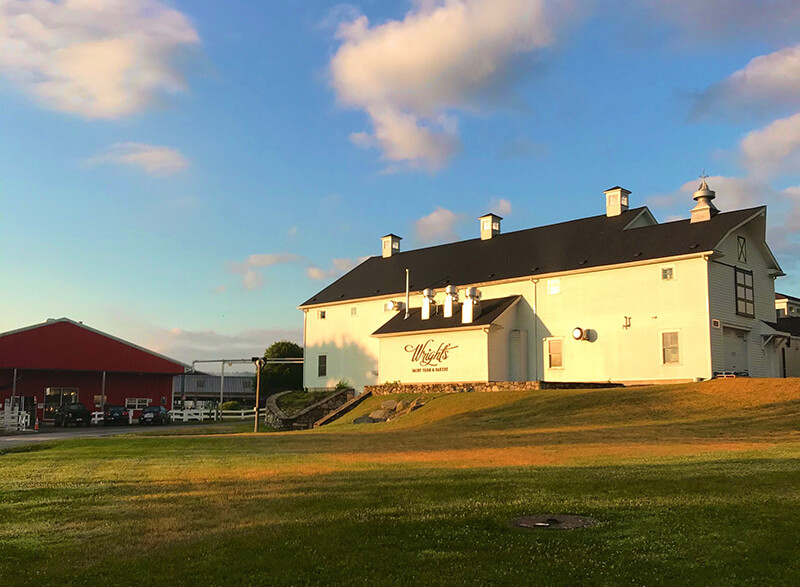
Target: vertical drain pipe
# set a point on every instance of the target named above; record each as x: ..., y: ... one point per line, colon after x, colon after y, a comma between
x: 535, y: 329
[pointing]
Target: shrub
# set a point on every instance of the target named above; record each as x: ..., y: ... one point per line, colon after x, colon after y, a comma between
x: 232, y: 405
x: 343, y: 384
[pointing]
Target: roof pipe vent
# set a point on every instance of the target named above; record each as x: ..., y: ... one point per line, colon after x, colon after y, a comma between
x: 617, y: 200
x: 471, y: 308
x: 428, y: 303
x: 450, y: 300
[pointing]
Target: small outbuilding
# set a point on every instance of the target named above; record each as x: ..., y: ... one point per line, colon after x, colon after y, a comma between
x: 63, y: 361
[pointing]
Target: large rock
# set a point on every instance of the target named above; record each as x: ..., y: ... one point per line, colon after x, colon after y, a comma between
x: 363, y: 420
x: 389, y: 404
x: 380, y: 415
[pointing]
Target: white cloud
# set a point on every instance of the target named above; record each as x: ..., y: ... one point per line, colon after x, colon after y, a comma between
x: 443, y: 55
x: 773, y: 149
x: 252, y: 278
x: 338, y: 267
x: 94, y: 58
x: 767, y: 82
x: 292, y: 232
x: 500, y: 206
x: 190, y: 345
x: 439, y: 225
x: 729, y: 19
x: 152, y: 159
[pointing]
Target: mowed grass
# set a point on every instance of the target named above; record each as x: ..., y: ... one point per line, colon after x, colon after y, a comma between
x: 691, y: 484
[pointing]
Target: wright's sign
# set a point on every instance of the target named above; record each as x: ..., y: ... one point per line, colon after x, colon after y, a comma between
x: 428, y: 356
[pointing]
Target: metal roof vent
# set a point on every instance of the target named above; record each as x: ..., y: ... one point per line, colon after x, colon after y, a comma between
x: 705, y: 209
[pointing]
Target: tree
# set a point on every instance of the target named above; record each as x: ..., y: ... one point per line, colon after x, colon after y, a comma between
x: 276, y: 378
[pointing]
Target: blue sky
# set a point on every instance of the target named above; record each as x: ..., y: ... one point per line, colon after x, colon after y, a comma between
x: 184, y: 174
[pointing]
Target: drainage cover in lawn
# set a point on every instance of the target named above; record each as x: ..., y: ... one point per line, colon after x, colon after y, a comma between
x: 553, y: 522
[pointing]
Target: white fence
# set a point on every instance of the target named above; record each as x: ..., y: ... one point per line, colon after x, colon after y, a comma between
x: 212, y: 415
x: 14, y: 420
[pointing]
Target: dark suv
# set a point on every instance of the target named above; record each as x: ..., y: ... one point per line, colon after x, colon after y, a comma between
x: 155, y: 415
x: 73, y: 414
x: 115, y: 415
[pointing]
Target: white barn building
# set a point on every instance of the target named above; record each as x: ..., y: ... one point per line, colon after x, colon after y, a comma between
x: 616, y: 297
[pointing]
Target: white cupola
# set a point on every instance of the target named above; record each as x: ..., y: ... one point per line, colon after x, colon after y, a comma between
x: 705, y: 209
x: 490, y: 226
x: 390, y: 244
x: 616, y: 201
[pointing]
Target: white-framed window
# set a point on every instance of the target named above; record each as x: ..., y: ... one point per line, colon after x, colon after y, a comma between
x: 354, y: 311
x: 322, y: 366
x: 670, y: 348
x: 553, y: 286
x: 487, y: 224
x: 322, y: 314
x: 668, y: 273
x: 555, y: 353
x: 137, y: 403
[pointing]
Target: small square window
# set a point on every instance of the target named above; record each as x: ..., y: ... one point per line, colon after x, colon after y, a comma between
x: 486, y: 225
x: 354, y: 311
x: 321, y: 314
x: 553, y: 286
x: 322, y: 366
x: 667, y: 273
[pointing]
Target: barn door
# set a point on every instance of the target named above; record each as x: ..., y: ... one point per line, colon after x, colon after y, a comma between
x: 735, y: 345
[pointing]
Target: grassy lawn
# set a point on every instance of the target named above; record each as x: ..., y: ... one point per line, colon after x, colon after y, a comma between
x: 692, y: 484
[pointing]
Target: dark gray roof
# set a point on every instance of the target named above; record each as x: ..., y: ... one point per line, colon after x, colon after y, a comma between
x: 790, y: 325
x: 588, y: 242
x: 490, y: 311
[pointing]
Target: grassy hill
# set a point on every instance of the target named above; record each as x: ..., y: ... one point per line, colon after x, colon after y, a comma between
x: 691, y: 484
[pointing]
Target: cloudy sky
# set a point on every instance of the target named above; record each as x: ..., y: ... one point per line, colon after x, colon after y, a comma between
x: 183, y: 174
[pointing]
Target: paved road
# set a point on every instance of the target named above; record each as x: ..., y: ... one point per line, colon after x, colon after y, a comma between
x: 50, y: 432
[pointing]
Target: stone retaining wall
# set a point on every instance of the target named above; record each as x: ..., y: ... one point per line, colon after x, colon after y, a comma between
x: 305, y: 418
x: 480, y: 386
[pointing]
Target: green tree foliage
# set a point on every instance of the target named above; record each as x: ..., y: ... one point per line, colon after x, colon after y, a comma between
x: 276, y: 378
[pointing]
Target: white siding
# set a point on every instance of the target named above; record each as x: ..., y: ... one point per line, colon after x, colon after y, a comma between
x: 763, y: 362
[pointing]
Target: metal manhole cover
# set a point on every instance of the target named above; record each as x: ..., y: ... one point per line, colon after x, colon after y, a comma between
x: 554, y: 522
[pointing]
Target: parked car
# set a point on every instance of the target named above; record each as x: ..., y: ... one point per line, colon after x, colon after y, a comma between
x: 155, y: 415
x: 72, y: 414
x: 116, y: 415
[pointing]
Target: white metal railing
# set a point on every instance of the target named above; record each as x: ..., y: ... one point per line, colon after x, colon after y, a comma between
x: 14, y: 419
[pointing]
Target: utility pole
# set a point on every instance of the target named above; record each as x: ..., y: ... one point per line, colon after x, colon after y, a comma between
x: 259, y: 363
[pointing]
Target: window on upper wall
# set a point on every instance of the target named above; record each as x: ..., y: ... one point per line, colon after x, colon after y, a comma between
x: 745, y: 294
x: 321, y: 314
x: 555, y: 354
x: 553, y: 286
x: 354, y: 311
x: 741, y: 248
x: 322, y: 366
x: 667, y: 273
x: 670, y: 348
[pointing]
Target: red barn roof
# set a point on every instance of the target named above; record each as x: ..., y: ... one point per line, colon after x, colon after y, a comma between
x: 66, y: 345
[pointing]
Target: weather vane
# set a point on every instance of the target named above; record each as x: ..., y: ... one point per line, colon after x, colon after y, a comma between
x: 703, y: 175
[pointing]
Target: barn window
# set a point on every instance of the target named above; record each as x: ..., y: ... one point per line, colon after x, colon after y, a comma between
x: 670, y: 349
x: 354, y: 311
x: 741, y: 247
x: 555, y: 353
x: 322, y: 366
x: 137, y: 403
x: 667, y: 273
x: 745, y: 295
x: 321, y: 314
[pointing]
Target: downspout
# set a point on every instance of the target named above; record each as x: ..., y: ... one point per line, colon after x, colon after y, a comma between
x: 708, y: 319
x: 535, y: 329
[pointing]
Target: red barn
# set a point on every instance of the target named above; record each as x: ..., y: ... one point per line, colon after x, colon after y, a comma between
x: 62, y: 361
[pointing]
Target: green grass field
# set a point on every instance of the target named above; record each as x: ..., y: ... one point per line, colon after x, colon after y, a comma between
x: 692, y: 484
